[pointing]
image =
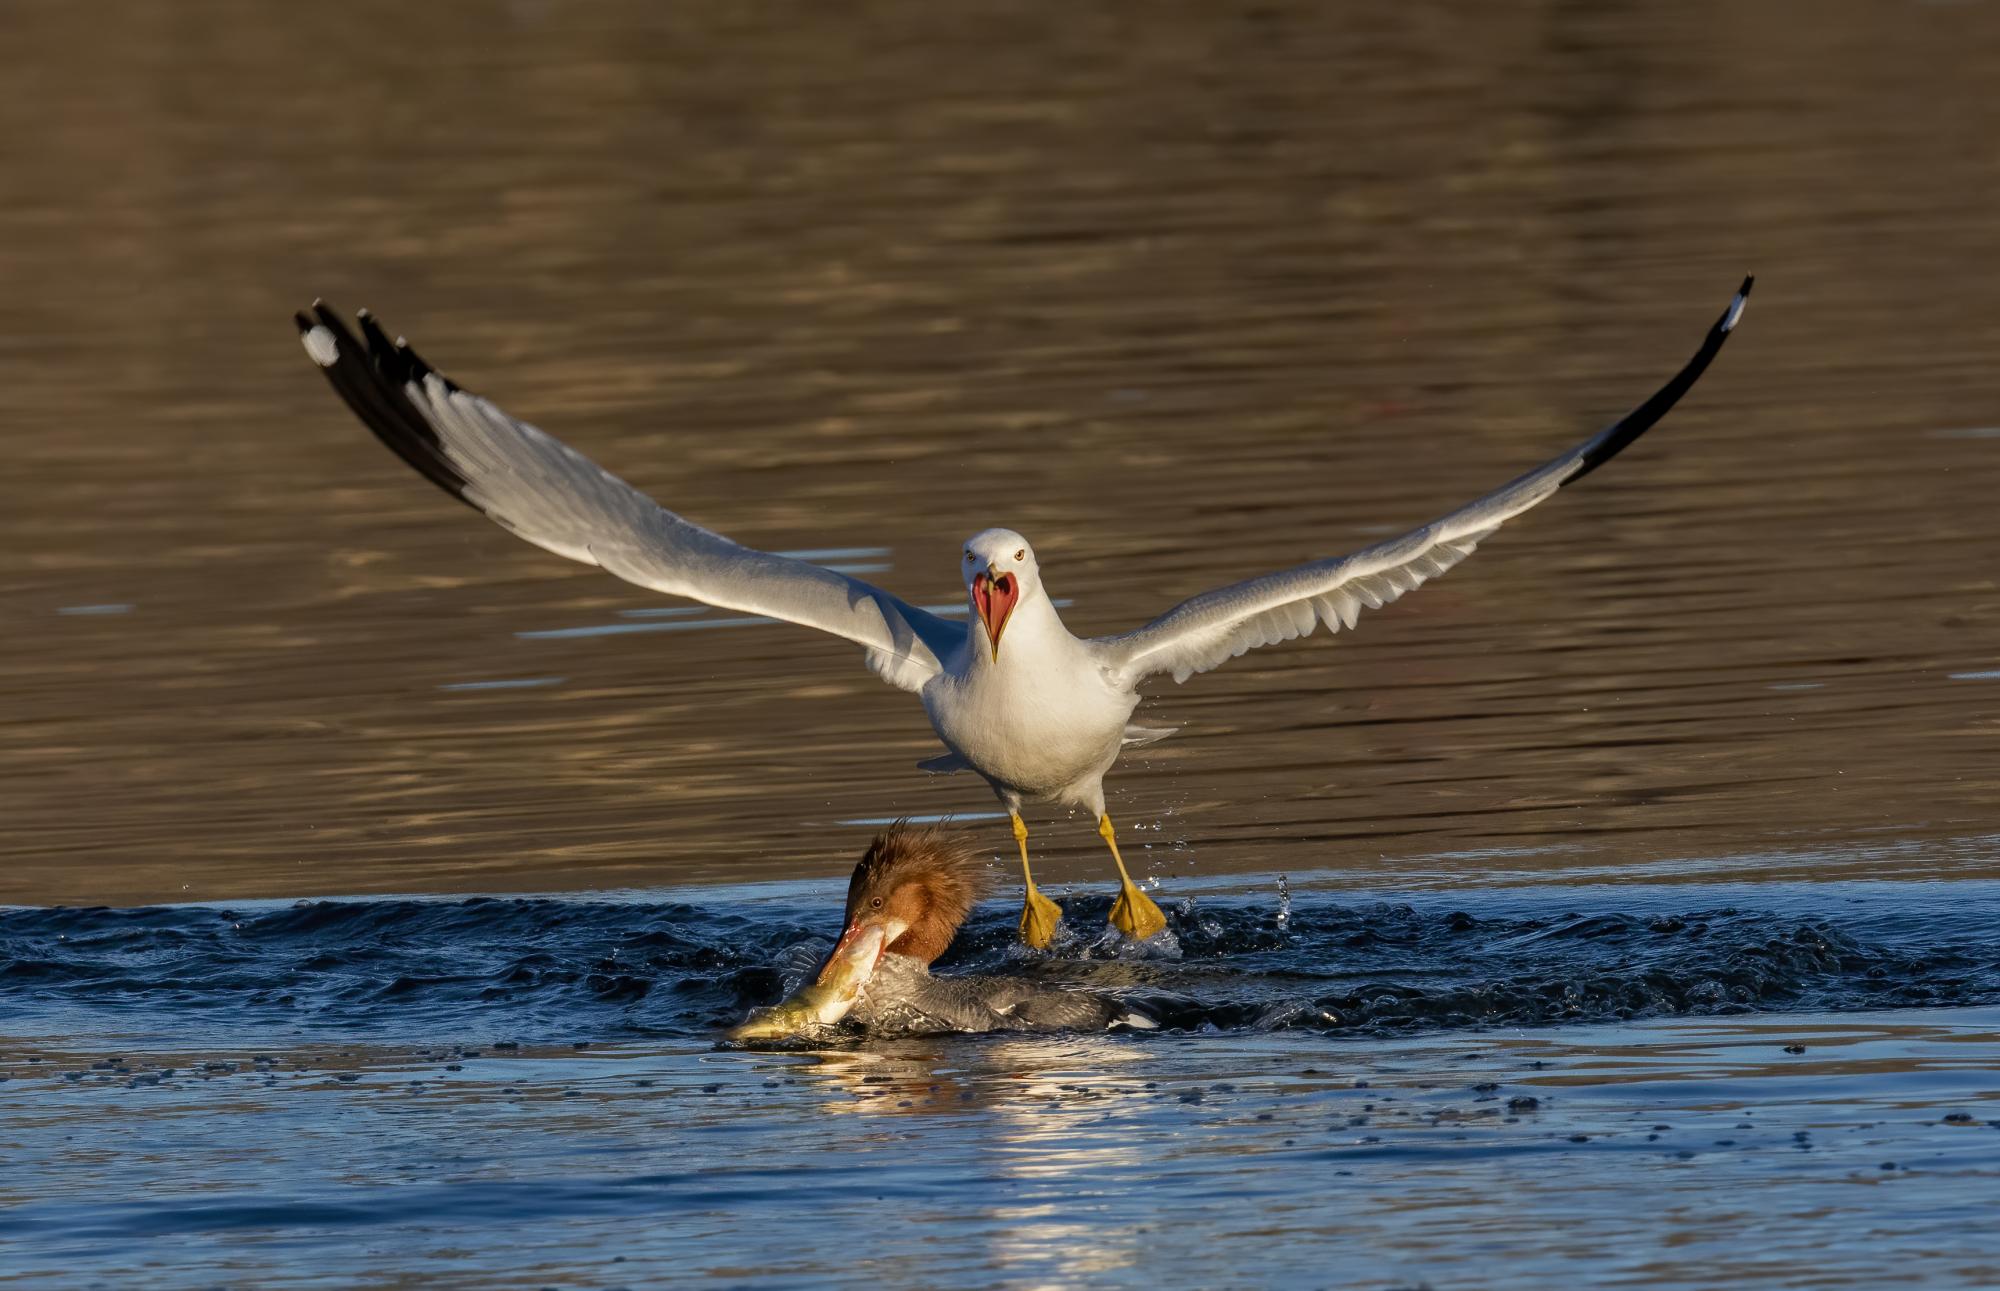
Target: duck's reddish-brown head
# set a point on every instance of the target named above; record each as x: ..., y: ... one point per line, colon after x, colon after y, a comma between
x: 993, y: 599
x: 908, y: 896
x: 913, y: 888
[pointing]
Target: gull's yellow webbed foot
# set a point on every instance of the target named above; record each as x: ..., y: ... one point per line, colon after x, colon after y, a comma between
x: 1133, y: 913
x: 1039, y: 915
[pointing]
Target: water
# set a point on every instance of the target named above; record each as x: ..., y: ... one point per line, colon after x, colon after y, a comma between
x: 1185, y: 293
x: 528, y: 1089
x: 548, y: 969
x: 805, y: 275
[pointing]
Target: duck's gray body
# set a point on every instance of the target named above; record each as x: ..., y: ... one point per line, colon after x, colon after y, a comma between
x: 902, y: 998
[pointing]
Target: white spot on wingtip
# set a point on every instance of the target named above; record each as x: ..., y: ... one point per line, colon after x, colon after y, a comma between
x: 320, y: 344
x: 1735, y: 312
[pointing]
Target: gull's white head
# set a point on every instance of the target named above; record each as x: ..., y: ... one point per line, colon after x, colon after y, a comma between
x: 1000, y: 573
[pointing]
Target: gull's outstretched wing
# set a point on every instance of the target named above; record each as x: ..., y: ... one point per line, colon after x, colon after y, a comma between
x: 541, y: 489
x: 1208, y: 630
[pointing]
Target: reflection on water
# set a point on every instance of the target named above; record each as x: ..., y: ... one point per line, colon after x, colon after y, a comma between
x: 1184, y: 294
x: 95, y: 609
x: 1782, y: 1151
x: 953, y: 817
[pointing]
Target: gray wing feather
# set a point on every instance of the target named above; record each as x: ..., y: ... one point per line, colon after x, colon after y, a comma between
x: 1208, y: 630
x: 544, y: 491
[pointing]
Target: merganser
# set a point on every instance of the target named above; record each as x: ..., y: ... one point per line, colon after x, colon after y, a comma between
x: 905, y: 902
x: 1044, y: 720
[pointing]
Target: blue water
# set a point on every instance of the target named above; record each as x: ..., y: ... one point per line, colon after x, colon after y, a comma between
x: 1373, y: 1093
x: 528, y: 969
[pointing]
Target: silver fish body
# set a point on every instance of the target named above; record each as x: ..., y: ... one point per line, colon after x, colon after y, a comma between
x: 823, y: 1001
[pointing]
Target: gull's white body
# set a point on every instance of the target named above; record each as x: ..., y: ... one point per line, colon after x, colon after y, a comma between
x: 1038, y: 712
x: 1040, y: 718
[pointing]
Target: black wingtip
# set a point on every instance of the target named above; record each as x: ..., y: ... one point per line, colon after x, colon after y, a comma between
x: 1734, y: 314
x: 380, y: 347
x: 1616, y: 438
x: 377, y: 390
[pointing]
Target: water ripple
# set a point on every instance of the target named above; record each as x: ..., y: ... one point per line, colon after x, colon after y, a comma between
x: 543, y: 967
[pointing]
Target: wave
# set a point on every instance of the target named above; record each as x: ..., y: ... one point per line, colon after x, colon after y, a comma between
x: 494, y: 968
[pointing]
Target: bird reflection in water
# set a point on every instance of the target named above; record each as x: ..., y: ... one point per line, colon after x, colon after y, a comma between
x: 1049, y: 1109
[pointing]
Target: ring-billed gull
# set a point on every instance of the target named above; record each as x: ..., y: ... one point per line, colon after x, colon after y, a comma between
x: 1045, y: 717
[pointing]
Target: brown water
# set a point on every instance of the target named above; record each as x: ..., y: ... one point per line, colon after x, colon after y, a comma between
x: 1184, y: 293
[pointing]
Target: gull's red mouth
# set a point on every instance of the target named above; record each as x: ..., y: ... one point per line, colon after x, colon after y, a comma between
x: 994, y: 599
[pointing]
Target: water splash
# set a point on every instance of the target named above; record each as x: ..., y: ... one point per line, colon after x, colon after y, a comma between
x: 490, y: 968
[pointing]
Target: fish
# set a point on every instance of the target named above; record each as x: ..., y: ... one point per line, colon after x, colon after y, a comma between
x: 826, y: 999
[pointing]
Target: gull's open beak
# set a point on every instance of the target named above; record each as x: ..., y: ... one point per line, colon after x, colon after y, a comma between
x: 994, y: 599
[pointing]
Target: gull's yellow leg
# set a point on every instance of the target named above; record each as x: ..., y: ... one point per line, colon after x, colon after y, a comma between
x: 1039, y: 915
x: 1133, y: 913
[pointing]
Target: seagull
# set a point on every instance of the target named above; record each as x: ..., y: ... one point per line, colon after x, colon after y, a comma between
x: 1038, y: 712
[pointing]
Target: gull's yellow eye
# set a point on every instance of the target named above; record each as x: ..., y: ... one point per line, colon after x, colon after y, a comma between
x: 1021, y: 554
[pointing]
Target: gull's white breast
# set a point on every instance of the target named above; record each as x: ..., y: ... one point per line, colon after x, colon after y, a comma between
x: 1044, y: 721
